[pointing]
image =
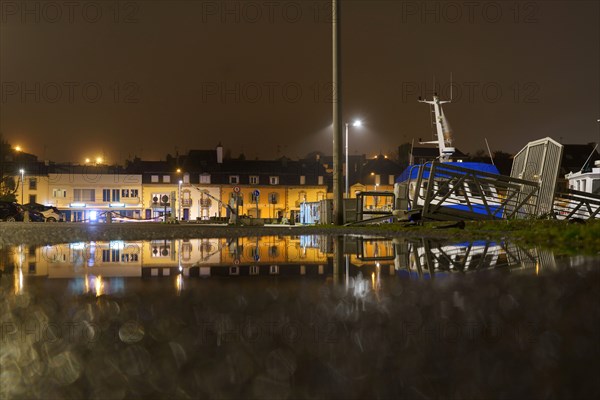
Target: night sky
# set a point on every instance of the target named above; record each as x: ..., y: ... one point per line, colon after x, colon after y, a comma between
x: 148, y: 78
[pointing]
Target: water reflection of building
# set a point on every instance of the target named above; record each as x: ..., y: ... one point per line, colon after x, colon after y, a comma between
x: 166, y: 257
x: 95, y: 264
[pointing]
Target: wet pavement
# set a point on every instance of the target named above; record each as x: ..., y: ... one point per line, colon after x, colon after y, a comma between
x: 295, y: 317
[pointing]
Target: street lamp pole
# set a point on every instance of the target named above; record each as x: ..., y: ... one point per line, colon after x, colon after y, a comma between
x: 355, y: 123
x: 22, y: 171
x: 346, y: 160
x: 338, y: 210
x: 180, y: 200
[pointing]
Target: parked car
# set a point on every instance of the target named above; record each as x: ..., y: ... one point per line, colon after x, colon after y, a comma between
x: 10, y: 211
x: 35, y: 216
x: 50, y: 214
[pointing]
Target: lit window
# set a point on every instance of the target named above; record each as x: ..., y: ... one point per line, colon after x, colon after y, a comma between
x: 320, y: 180
x: 302, y: 180
x: 235, y: 179
x: 254, y: 180
x: 166, y: 178
x: 205, y: 178
x: 274, y: 180
x: 154, y: 179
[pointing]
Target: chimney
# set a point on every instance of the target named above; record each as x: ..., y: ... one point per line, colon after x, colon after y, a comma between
x: 219, y: 153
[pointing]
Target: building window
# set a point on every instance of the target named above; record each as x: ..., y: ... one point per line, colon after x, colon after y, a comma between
x: 234, y: 179
x: 273, y: 251
x: 274, y: 180
x: 134, y: 193
x: 378, y: 179
x: 320, y: 180
x: 254, y: 180
x: 154, y: 179
x: 273, y: 198
x: 302, y: 180
x: 116, y: 195
x: 105, y: 255
x: 391, y: 180
x: 186, y: 178
x: 205, y: 178
x: 32, y: 198
x: 59, y: 193
x: 84, y: 194
x: 32, y: 184
x: 166, y: 178
x: 106, y: 195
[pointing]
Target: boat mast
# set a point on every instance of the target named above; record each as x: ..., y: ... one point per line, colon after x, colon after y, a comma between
x: 444, y: 136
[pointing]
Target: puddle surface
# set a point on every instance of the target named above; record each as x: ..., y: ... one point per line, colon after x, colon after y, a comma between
x: 297, y: 317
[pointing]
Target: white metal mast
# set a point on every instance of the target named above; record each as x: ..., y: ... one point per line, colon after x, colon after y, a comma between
x: 444, y: 135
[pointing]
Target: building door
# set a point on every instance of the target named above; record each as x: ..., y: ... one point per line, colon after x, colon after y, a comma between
x: 186, y: 214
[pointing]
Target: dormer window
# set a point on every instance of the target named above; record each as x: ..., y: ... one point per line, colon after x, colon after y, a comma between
x: 274, y: 180
x: 205, y: 178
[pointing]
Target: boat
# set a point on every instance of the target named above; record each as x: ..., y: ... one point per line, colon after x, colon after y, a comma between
x: 582, y: 201
x: 465, y: 189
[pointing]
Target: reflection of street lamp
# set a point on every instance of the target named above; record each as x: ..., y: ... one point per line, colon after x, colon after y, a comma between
x: 22, y: 171
x: 356, y: 123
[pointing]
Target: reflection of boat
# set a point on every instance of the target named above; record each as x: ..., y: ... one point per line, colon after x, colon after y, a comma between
x: 426, y: 258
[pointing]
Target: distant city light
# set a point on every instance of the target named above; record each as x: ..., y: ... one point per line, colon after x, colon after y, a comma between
x: 87, y: 160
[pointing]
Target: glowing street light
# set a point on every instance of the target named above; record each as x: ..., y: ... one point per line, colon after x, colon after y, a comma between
x: 99, y: 160
x: 357, y: 123
x: 18, y: 148
x: 87, y: 160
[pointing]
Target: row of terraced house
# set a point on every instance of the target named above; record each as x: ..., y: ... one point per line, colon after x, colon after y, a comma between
x: 198, y: 186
